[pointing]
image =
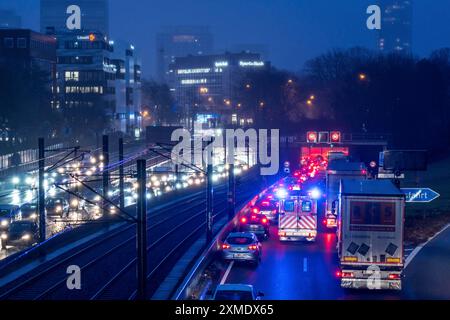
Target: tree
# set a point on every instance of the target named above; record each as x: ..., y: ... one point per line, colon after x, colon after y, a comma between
x: 159, y: 99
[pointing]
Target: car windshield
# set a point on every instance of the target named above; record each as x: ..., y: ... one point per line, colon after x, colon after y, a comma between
x: 4, y: 212
x: 30, y: 207
x: 54, y: 202
x: 239, y: 240
x: 233, y: 295
x: 20, y: 227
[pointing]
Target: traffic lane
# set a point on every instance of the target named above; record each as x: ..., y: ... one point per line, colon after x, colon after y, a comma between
x: 427, y: 276
x: 301, y: 271
x: 293, y: 270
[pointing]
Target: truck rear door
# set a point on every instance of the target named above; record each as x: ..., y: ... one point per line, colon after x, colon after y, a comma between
x: 372, y: 231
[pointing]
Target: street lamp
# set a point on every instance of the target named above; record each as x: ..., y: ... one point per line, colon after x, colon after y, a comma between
x: 309, y: 102
x: 362, y: 76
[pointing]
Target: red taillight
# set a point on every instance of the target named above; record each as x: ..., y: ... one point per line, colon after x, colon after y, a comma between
x: 264, y: 203
x: 324, y: 221
x: 338, y: 274
x: 244, y: 220
x: 394, y: 276
x: 225, y: 246
x: 264, y: 220
x: 254, y: 217
x: 347, y: 275
x: 270, y: 197
x: 253, y: 247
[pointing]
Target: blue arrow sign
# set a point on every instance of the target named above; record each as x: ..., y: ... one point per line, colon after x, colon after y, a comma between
x: 420, y: 195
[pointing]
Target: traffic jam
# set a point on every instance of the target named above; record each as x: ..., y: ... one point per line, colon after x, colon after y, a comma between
x: 70, y: 204
x: 360, y: 218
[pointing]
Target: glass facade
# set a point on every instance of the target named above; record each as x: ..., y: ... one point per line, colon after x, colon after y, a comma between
x: 396, y: 26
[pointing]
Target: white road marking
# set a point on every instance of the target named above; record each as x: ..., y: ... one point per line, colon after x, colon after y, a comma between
x: 227, y: 273
x: 418, y: 248
x: 305, y: 264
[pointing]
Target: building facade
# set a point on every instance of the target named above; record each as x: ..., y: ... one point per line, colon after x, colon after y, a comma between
x: 24, y: 49
x: 64, y: 15
x: 205, y: 87
x: 9, y: 19
x: 85, y: 72
x: 396, y: 26
x: 128, y: 96
x: 172, y: 42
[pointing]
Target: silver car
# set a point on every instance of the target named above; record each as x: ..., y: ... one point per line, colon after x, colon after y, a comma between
x: 242, y: 246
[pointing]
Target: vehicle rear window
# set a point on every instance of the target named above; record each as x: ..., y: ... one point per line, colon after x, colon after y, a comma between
x: 306, y: 206
x: 289, y: 206
x: 233, y: 295
x: 239, y: 240
x: 372, y: 213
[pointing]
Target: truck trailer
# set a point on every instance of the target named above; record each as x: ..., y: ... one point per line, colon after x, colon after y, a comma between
x: 370, y: 234
x: 339, y: 169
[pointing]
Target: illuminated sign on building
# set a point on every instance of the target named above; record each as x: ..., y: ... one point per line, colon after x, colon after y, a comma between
x: 194, y: 81
x: 191, y: 71
x: 221, y: 64
x: 91, y: 37
x: 251, y: 63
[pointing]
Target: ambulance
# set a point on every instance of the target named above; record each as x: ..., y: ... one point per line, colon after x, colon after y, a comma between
x: 297, y: 219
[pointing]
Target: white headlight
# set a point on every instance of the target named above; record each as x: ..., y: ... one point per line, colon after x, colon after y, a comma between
x: 4, y: 236
x: 26, y: 237
x: 4, y: 223
x: 33, y: 216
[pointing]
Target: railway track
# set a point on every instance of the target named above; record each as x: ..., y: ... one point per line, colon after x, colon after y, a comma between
x: 116, y: 252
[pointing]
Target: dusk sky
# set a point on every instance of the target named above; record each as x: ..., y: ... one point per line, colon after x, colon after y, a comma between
x: 293, y: 30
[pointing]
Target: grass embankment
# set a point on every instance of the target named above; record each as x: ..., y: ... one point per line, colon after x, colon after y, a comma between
x: 423, y: 220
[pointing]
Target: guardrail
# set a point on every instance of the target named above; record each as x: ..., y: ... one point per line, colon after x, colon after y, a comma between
x: 209, y: 254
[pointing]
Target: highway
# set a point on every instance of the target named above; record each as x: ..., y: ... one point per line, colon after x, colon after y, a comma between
x: 108, y: 263
x: 306, y: 271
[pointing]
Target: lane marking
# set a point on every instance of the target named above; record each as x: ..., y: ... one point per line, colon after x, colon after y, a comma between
x: 418, y: 248
x: 305, y: 264
x: 227, y: 273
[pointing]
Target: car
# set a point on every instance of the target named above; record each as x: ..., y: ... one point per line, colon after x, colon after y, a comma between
x: 242, y: 246
x: 256, y: 223
x: 20, y: 233
x: 8, y: 214
x: 56, y: 207
x: 231, y: 292
x: 29, y: 211
x: 267, y: 207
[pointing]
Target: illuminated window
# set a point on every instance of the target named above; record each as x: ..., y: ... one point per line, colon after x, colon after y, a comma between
x: 72, y: 76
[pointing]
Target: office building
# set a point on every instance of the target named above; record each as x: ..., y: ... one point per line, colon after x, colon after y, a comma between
x: 205, y: 87
x: 9, y: 19
x: 25, y: 51
x: 396, y: 26
x: 128, y: 97
x: 59, y: 14
x: 172, y: 42
x: 85, y: 73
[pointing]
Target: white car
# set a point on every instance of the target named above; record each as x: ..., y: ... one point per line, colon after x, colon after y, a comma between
x: 243, y: 292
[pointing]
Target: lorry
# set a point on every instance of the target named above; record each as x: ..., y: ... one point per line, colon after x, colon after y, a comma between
x: 370, y: 234
x: 297, y: 217
x: 339, y: 169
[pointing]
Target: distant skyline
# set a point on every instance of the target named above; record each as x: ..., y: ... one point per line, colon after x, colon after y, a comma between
x: 293, y: 30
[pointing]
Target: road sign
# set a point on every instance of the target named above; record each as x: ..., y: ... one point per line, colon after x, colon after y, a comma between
x: 420, y: 195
